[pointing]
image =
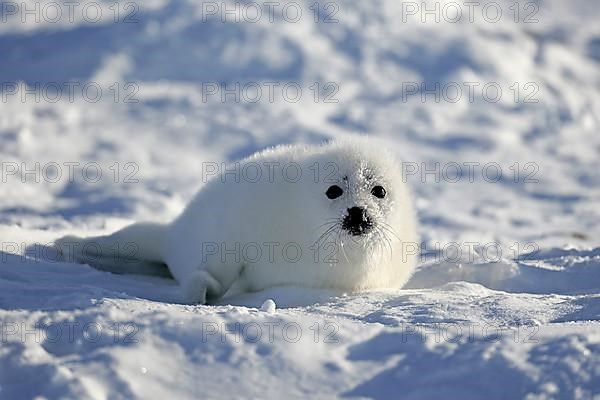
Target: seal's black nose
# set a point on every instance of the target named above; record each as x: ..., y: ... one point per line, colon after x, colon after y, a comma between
x: 357, y: 222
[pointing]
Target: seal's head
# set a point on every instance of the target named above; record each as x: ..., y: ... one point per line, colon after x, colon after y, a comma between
x: 367, y: 205
x: 340, y: 212
x: 358, y: 217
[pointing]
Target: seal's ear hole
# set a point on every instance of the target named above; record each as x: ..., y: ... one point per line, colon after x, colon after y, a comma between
x: 334, y: 192
x: 378, y: 191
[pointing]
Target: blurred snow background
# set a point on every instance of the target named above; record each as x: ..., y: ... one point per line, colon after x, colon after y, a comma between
x: 156, y: 122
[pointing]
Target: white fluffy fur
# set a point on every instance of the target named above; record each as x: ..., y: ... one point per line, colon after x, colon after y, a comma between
x: 274, y: 212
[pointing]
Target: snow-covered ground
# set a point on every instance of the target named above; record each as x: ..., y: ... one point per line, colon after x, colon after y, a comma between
x: 506, y: 300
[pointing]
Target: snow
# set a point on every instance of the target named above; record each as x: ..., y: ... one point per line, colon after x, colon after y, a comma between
x: 505, y: 302
x: 268, y: 306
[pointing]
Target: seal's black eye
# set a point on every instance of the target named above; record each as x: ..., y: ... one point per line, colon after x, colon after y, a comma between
x: 334, y: 192
x: 378, y: 191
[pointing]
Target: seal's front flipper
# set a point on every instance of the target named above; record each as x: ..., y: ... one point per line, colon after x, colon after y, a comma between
x: 198, y: 286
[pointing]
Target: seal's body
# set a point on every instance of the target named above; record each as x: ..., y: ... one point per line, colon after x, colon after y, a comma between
x: 332, y: 216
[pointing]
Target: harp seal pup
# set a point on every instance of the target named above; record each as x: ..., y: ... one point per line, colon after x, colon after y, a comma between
x: 336, y: 215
